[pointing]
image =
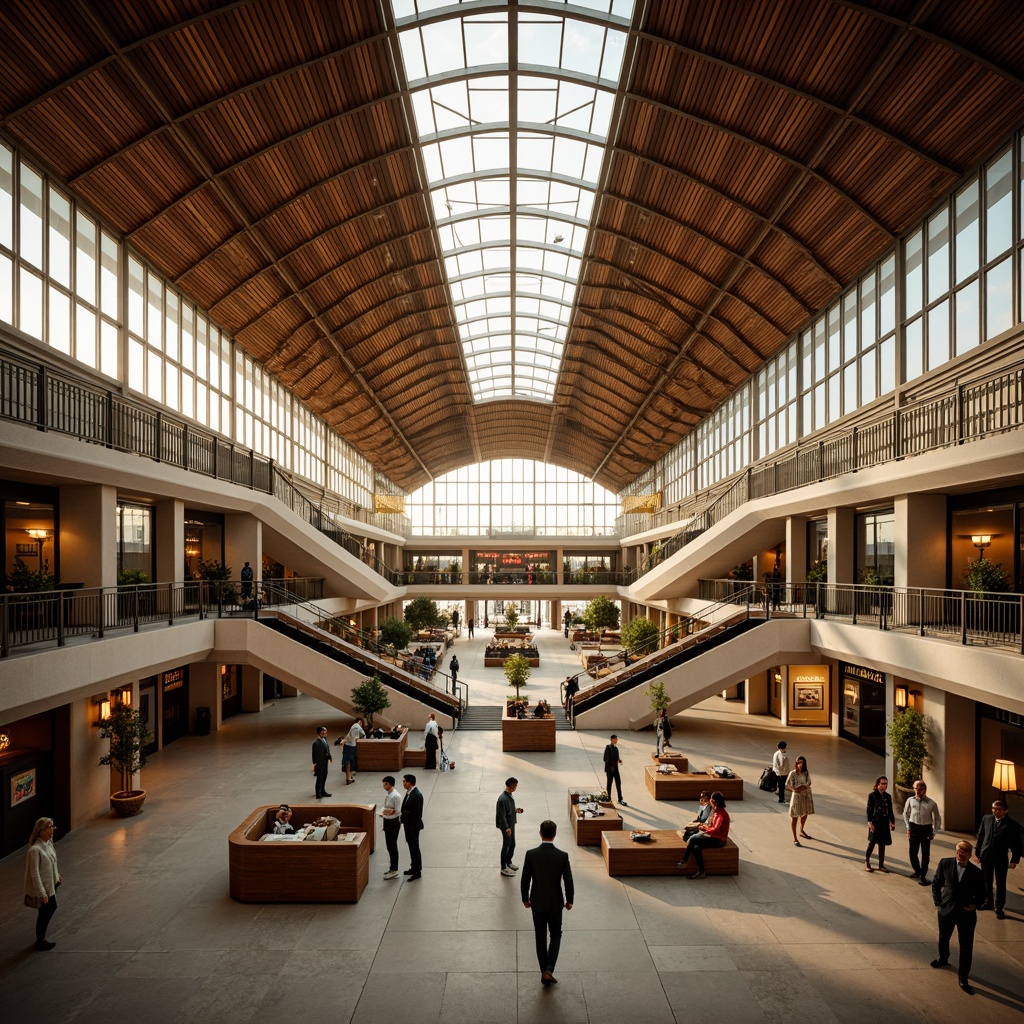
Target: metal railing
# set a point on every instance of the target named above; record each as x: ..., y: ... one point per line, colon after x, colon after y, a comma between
x: 969, y: 618
x: 966, y: 412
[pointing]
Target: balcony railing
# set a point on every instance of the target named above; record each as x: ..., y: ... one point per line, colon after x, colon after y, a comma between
x: 517, y: 577
x: 967, y: 412
x: 991, y: 620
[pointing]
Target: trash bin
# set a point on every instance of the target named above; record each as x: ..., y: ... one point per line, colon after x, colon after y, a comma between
x: 202, y: 721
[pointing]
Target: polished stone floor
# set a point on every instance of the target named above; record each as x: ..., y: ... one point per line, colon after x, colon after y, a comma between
x: 147, y: 931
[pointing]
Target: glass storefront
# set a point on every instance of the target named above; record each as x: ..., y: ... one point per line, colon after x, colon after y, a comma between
x: 863, y: 699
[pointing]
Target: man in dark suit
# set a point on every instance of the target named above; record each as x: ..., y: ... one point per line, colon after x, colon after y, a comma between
x: 545, y: 869
x: 412, y: 824
x: 611, y: 769
x: 957, y: 890
x: 998, y: 836
x: 321, y: 759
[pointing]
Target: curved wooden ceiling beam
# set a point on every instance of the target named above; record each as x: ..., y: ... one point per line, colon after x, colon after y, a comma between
x: 802, y: 94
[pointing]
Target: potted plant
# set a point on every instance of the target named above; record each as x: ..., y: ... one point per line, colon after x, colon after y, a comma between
x: 640, y: 636
x: 369, y: 698
x: 128, y: 735
x: 511, y: 617
x: 908, y: 735
x: 600, y: 614
x: 422, y: 613
x: 517, y: 671
x: 395, y: 633
x: 221, y: 589
x: 984, y: 577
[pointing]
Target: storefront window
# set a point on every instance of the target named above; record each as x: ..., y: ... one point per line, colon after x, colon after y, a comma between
x: 876, y: 540
x: 29, y: 544
x: 204, y: 541
x: 134, y: 542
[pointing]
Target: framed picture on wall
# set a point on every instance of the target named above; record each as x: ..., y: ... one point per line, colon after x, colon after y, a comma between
x: 23, y: 786
x: 808, y: 697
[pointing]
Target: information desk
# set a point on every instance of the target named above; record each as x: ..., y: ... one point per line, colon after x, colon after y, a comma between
x: 622, y: 856
x: 527, y: 733
x: 587, y: 831
x: 688, y: 785
x: 680, y: 763
x: 382, y: 755
x: 301, y: 872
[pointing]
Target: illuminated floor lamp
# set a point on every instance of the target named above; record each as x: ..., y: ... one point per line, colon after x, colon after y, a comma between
x: 981, y: 541
x: 1004, y: 777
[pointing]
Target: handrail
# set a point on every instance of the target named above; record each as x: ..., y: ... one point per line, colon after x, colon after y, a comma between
x: 983, y: 407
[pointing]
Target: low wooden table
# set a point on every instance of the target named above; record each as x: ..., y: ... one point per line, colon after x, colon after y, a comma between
x: 587, y: 831
x: 527, y: 733
x: 382, y: 755
x: 659, y: 857
x: 680, y: 763
x: 689, y: 785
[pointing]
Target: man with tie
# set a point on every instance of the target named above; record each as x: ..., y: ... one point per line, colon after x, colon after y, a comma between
x: 321, y: 758
x: 957, y: 889
x: 545, y: 869
x: 412, y: 824
x: 998, y: 837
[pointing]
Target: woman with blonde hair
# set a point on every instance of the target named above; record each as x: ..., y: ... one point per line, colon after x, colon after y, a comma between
x: 42, y: 879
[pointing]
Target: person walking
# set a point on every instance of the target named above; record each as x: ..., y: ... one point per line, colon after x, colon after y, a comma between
x: 957, y: 890
x: 881, y: 823
x: 321, y: 759
x: 431, y: 741
x: 567, y: 622
x: 663, y: 731
x: 411, y: 817
x: 998, y: 838
x: 455, y: 619
x: 711, y: 835
x: 453, y: 669
x: 41, y: 879
x: 469, y: 628
x: 546, y: 870
x: 505, y: 820
x: 780, y: 765
x: 349, y: 750
x: 922, y: 818
x: 801, y: 803
x: 391, y: 812
x: 611, y: 769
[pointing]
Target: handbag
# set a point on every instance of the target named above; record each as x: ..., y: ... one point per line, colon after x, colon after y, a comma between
x: 769, y: 780
x: 35, y: 902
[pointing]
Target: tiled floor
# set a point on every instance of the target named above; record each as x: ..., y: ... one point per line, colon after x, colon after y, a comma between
x: 147, y: 931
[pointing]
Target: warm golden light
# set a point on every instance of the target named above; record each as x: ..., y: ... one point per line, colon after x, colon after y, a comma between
x: 5, y: 741
x: 38, y: 534
x: 901, y: 696
x: 981, y: 540
x: 1004, y: 776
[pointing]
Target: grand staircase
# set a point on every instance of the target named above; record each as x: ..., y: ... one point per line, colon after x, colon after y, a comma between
x: 482, y: 718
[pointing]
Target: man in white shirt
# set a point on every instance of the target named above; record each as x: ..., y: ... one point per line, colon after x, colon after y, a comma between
x: 390, y: 811
x: 921, y: 816
x: 780, y: 765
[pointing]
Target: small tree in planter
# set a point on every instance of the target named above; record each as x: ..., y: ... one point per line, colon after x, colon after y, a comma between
x: 640, y: 636
x: 219, y: 578
x: 395, y: 633
x: 986, y: 577
x: 422, y: 613
x: 128, y: 735
x: 908, y: 739
x: 517, y: 671
x: 600, y: 614
x: 370, y: 698
x: 511, y: 616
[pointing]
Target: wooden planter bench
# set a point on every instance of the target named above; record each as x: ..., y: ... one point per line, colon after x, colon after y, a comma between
x: 680, y: 763
x: 588, y: 831
x: 659, y: 857
x: 527, y: 733
x: 688, y: 785
x: 382, y: 755
x: 415, y: 757
x: 302, y: 872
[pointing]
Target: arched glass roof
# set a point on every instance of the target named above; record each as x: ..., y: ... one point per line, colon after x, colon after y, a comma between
x: 512, y: 103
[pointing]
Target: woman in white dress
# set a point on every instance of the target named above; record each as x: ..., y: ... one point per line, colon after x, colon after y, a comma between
x: 801, y: 803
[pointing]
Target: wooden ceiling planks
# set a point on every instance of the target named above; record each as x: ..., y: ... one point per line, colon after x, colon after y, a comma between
x: 258, y: 154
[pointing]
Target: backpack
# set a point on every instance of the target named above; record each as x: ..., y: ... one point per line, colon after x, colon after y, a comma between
x: 769, y: 780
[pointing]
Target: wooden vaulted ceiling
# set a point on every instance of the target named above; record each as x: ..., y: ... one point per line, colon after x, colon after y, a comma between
x: 259, y: 154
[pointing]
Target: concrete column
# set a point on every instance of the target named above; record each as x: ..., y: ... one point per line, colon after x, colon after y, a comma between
x: 204, y: 691
x: 951, y: 744
x: 840, y: 545
x: 169, y: 524
x: 243, y: 542
x: 795, y: 560
x: 252, y: 688
x: 920, y: 540
x: 757, y: 700
x: 88, y: 535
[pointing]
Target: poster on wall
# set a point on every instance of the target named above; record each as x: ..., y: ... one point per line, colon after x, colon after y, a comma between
x: 808, y: 697
x: 808, y: 694
x: 23, y: 786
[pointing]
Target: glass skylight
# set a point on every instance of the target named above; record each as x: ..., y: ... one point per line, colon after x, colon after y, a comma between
x: 512, y: 103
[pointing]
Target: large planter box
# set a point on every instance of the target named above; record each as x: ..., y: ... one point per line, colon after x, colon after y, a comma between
x: 587, y: 831
x: 688, y: 785
x: 307, y: 872
x: 495, y: 657
x: 527, y: 733
x: 382, y: 755
x: 660, y: 856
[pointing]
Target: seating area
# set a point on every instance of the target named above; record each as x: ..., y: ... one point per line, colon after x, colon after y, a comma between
x: 310, y: 871
x: 661, y: 854
x: 680, y: 785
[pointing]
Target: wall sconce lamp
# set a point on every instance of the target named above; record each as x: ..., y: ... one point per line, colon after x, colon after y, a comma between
x: 981, y: 541
x: 125, y: 696
x: 5, y: 741
x: 1004, y: 777
x: 901, y: 697
x: 912, y: 696
x: 104, y: 712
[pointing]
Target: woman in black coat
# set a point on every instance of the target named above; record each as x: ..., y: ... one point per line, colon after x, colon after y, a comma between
x: 881, y: 823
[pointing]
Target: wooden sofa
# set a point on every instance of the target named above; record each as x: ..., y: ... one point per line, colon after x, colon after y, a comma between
x: 298, y: 872
x: 660, y: 856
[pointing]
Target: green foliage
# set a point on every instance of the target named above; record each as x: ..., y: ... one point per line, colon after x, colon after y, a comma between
x: 600, y: 614
x: 395, y: 633
x: 744, y: 572
x: 219, y: 578
x: 511, y: 615
x: 908, y: 735
x: 23, y: 580
x: 640, y: 635
x: 422, y: 613
x: 369, y: 698
x: 986, y: 577
x: 517, y: 671
x: 869, y: 578
x: 658, y: 697
x: 128, y: 735
x: 131, y: 577
x: 818, y: 573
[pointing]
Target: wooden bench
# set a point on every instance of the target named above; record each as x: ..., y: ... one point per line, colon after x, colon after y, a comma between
x: 587, y: 831
x: 527, y: 733
x: 382, y: 755
x: 415, y: 757
x: 689, y: 785
x: 622, y: 856
x: 302, y: 872
x: 680, y: 763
